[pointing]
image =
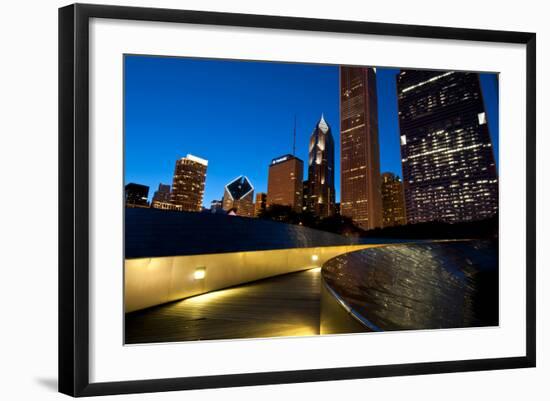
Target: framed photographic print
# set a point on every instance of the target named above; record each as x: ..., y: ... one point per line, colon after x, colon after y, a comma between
x: 249, y: 199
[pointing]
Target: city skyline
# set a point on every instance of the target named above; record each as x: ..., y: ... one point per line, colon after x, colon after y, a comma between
x: 243, y: 134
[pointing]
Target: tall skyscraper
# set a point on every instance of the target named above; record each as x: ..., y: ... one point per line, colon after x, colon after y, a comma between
x: 161, y: 195
x: 136, y: 195
x: 393, y: 201
x: 239, y: 194
x: 321, y: 196
x: 449, y: 170
x: 359, y: 148
x: 260, y: 204
x: 188, y: 184
x: 284, y: 182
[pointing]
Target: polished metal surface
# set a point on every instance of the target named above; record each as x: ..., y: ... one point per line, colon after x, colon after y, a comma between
x: 419, y: 286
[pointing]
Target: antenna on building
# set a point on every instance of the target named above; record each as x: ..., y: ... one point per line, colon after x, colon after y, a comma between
x: 294, y: 143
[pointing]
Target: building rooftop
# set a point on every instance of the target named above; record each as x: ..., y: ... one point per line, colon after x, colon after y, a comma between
x: 196, y: 159
x: 284, y: 158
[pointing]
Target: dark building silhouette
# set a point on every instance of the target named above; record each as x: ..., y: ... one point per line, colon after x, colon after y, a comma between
x: 239, y: 194
x: 188, y: 184
x: 216, y: 206
x: 359, y: 147
x: 136, y: 195
x: 393, y: 201
x: 321, y: 196
x: 305, y: 195
x: 449, y: 171
x: 260, y: 204
x: 284, y: 182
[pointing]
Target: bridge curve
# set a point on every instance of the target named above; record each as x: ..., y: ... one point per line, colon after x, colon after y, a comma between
x: 286, y: 305
x: 418, y: 286
x: 394, y: 287
x: 176, y: 255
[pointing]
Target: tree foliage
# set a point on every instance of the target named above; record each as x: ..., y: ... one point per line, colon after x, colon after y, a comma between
x: 334, y: 224
x: 343, y: 225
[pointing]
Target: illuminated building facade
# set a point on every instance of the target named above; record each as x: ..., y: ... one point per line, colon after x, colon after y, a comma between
x: 393, y: 201
x: 167, y: 206
x: 449, y: 171
x: 321, y: 196
x: 359, y: 147
x: 239, y: 194
x: 135, y: 195
x: 188, y: 183
x: 260, y: 204
x: 161, y: 195
x: 284, y: 182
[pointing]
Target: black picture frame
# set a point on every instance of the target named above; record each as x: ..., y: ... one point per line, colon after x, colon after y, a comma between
x: 74, y: 201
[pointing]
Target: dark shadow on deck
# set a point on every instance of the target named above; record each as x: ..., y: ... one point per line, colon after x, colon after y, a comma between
x: 287, y: 305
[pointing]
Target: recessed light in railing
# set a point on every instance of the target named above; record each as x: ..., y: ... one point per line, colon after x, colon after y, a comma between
x: 314, y: 258
x: 200, y: 273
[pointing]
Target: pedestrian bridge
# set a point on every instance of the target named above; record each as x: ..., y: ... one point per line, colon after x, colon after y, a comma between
x: 286, y: 305
x: 175, y: 255
x: 284, y: 291
x: 403, y: 287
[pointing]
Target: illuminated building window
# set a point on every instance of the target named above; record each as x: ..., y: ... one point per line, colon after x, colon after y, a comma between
x: 481, y: 118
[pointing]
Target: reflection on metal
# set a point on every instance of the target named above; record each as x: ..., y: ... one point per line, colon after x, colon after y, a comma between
x: 363, y: 321
x: 335, y: 315
x: 418, y: 286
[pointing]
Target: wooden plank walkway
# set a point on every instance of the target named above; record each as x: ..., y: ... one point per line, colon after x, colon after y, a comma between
x: 287, y: 305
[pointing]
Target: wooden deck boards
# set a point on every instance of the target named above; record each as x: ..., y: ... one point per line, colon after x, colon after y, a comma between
x: 285, y: 305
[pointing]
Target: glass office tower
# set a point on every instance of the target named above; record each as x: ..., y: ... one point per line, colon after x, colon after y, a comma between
x: 449, y: 171
x: 359, y: 148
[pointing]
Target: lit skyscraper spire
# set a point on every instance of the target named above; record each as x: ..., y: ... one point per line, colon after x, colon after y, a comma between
x: 321, y: 197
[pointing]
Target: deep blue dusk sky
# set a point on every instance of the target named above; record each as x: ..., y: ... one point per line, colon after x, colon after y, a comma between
x: 239, y: 115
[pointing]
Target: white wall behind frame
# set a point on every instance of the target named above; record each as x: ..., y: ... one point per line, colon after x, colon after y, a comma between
x: 29, y: 126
